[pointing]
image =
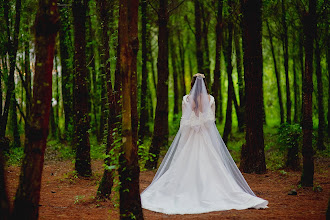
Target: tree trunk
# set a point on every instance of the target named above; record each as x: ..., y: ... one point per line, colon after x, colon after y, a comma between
x: 175, y: 77
x: 4, y: 201
x: 57, y: 98
x: 103, y: 102
x: 309, y: 27
x: 229, y: 67
x: 182, y: 58
x: 206, y: 54
x: 286, y: 64
x: 12, y: 52
x: 240, y: 110
x: 322, y: 125
x: 277, y: 74
x: 130, y: 203
x: 28, y: 91
x: 295, y: 84
x: 328, y: 62
x: 302, y: 67
x: 144, y: 116
x: 66, y: 51
x: 17, y: 140
x: 83, y: 160
x: 216, y: 87
x: 252, y: 155
x: 26, y: 205
x: 198, y: 36
x: 105, y: 12
x: 160, y: 136
x: 52, y: 122
x: 95, y: 99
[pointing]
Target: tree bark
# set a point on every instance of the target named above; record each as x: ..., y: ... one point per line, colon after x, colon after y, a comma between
x: 309, y: 27
x: 252, y: 155
x: 4, y: 200
x: 144, y: 116
x: 175, y: 77
x: 83, y: 160
x: 28, y: 91
x: 228, y: 58
x: 105, y: 12
x: 160, y: 137
x: 295, y: 84
x: 130, y: 203
x: 286, y: 64
x: 182, y: 59
x: 66, y: 52
x: 17, y: 139
x: 198, y: 36
x: 206, y: 53
x: 328, y: 62
x: 216, y: 87
x: 277, y: 74
x: 12, y: 52
x: 26, y: 205
x: 240, y: 110
x: 322, y: 125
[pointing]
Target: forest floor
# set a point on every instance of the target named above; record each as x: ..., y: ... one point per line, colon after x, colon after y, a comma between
x: 65, y: 196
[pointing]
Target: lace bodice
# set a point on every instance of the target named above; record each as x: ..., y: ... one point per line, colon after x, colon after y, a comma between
x: 197, y: 120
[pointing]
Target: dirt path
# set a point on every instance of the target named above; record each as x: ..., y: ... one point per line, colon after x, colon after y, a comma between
x: 64, y: 196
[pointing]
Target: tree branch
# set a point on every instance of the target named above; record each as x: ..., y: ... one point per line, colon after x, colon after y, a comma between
x: 176, y: 6
x: 28, y: 95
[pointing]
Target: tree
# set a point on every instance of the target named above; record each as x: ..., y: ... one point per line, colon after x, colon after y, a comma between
x: 175, y: 76
x: 252, y: 155
x: 106, y: 183
x: 328, y: 62
x: 277, y: 74
x: 216, y: 87
x: 198, y: 36
x: 4, y: 200
x: 286, y: 63
x: 130, y: 203
x: 26, y: 205
x: 309, y: 27
x: 82, y: 145
x: 206, y: 54
x: 66, y: 55
x: 240, y: 110
x: 295, y: 84
x: 322, y: 125
x: 160, y: 136
x: 12, y: 46
x: 144, y: 128
x: 228, y: 58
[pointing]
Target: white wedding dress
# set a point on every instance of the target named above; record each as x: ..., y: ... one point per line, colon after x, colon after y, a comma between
x: 198, y: 174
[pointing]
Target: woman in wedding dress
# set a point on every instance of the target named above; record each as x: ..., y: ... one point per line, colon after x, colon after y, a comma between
x: 198, y: 174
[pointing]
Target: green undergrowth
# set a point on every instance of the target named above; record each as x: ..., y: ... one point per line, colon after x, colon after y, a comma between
x: 275, y: 153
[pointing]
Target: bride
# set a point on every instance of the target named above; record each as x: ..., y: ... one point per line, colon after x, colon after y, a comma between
x: 198, y: 174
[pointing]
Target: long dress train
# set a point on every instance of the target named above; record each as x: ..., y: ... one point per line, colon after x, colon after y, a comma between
x: 198, y: 174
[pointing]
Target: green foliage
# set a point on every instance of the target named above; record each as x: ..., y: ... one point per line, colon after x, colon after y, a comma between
x: 97, y: 150
x: 175, y: 124
x: 70, y: 176
x: 79, y: 199
x: 14, y: 156
x: 289, y: 135
x: 144, y: 155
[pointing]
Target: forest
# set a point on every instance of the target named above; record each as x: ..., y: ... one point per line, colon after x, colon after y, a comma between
x: 91, y: 94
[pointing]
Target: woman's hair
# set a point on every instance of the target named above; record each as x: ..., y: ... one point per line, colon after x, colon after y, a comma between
x: 193, y: 82
x: 198, y: 90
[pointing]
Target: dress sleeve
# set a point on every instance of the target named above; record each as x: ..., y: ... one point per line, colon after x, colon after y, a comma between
x: 183, y: 103
x: 213, y: 106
